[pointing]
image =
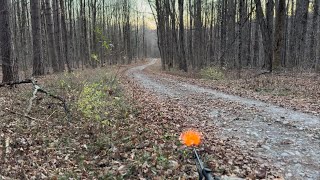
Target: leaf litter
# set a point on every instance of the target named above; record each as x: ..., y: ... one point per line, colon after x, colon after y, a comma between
x: 246, y: 123
x: 143, y: 143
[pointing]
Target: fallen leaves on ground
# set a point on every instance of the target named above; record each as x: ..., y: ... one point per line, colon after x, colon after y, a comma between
x: 297, y: 91
x: 143, y: 145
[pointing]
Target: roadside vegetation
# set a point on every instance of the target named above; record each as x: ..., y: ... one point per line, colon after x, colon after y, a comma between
x: 116, y: 131
x: 290, y: 90
x: 47, y: 144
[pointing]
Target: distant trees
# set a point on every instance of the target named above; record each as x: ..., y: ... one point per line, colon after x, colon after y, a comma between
x: 45, y: 36
x: 238, y: 33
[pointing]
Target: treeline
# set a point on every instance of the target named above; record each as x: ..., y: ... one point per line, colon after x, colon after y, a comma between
x: 236, y: 34
x: 51, y: 36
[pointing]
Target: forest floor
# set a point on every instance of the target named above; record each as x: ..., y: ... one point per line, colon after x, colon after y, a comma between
x: 279, y: 128
x: 113, y: 133
x: 130, y: 129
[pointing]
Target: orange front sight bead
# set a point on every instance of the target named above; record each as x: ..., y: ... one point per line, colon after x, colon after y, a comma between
x: 190, y: 138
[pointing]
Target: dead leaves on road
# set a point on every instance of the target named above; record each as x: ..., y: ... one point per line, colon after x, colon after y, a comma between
x: 165, y: 119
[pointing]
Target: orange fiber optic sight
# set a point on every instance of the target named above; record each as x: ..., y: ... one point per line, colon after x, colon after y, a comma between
x: 192, y: 138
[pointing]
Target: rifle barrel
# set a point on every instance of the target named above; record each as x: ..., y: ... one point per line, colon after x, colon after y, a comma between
x: 203, y: 172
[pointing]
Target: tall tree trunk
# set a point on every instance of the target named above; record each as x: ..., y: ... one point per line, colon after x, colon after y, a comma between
x: 279, y: 41
x: 317, y: 58
x: 183, y: 61
x: 175, y: 55
x: 24, y: 31
x: 314, y: 31
x: 256, y: 46
x: 198, y: 34
x: 57, y: 32
x: 5, y: 42
x: 50, y: 31
x: 38, y: 68
x: 292, y: 46
x: 301, y: 29
x: 44, y: 38
x: 94, y: 27
x: 269, y: 22
x: 241, y: 37
x: 223, y: 27
x: 143, y: 38
x: 249, y: 43
x: 127, y: 32
x: 64, y: 35
x: 266, y: 35
x: 190, y: 47
x: 71, y: 33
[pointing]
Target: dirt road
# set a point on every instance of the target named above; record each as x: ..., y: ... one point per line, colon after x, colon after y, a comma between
x: 288, y: 139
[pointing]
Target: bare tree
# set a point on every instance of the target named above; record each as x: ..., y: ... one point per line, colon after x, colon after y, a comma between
x: 266, y: 34
x: 314, y: 31
x: 38, y: 68
x: 183, y: 61
x: 280, y: 25
x: 50, y: 31
x: 57, y: 33
x: 5, y: 42
x: 64, y: 35
x: 301, y: 30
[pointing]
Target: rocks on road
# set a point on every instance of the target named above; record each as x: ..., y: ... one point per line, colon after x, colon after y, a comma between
x: 287, y: 139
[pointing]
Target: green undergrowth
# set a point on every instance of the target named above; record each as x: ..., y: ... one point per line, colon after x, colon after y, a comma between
x: 111, y: 137
x: 212, y: 73
x: 102, y: 122
x: 94, y: 95
x: 112, y: 140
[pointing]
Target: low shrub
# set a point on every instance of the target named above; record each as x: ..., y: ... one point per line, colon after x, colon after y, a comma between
x: 212, y: 73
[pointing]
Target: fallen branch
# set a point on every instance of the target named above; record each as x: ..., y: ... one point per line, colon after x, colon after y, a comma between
x: 34, y: 95
x: 24, y: 115
x: 37, y: 89
x: 65, y: 107
x: 26, y: 81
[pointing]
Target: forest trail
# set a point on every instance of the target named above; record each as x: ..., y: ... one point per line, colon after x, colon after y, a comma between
x: 290, y: 140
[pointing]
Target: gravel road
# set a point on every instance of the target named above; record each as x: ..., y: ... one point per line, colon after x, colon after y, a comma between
x: 290, y: 140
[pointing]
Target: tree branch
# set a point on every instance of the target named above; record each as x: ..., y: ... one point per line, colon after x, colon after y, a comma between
x: 24, y: 115
x: 26, y: 81
x: 37, y: 89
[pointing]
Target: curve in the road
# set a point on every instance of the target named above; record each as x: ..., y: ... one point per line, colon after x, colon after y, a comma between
x: 290, y: 136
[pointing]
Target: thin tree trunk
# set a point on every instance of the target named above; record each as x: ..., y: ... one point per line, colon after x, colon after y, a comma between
x: 183, y: 61
x: 241, y: 38
x: 256, y: 46
x: 223, y: 31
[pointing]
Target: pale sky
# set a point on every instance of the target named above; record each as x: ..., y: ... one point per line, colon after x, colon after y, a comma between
x: 143, y: 6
